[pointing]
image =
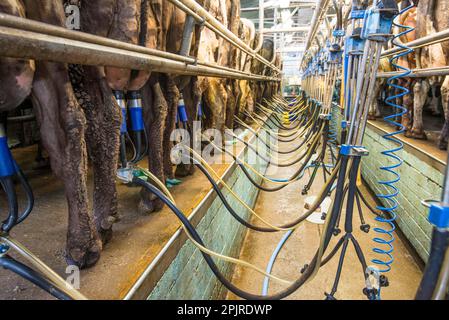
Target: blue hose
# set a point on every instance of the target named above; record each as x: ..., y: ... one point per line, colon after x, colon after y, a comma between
x: 273, y: 258
x: 384, y: 240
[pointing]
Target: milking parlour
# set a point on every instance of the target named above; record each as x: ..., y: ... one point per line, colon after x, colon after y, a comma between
x: 207, y: 152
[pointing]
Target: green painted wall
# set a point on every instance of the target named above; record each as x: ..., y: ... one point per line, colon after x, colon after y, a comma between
x: 188, y: 276
x: 419, y: 181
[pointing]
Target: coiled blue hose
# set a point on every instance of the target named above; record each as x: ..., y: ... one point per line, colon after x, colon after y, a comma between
x: 385, y: 236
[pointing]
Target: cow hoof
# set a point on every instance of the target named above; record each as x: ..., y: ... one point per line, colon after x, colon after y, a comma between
x: 85, y: 257
x: 42, y: 163
x: 105, y: 235
x: 442, y: 145
x: 183, y: 170
x: 419, y: 135
x: 147, y: 207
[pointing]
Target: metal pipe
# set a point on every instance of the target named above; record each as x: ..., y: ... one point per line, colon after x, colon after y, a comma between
x: 287, y: 30
x: 10, y: 21
x: 418, y: 73
x: 30, y: 45
x: 187, y: 36
x: 299, y: 5
x: 212, y: 23
x: 424, y: 41
x: 261, y: 25
x: 318, y: 15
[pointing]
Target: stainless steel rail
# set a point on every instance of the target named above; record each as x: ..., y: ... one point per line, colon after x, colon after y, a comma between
x: 26, y: 39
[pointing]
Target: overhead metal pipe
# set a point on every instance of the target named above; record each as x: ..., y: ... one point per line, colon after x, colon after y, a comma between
x: 212, y: 23
x: 418, y: 73
x: 261, y: 25
x: 421, y: 42
x: 299, y: 5
x: 287, y: 30
x: 30, y: 45
x: 318, y: 16
x: 47, y: 29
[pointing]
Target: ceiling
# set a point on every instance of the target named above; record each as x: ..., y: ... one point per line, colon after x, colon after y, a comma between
x: 293, y: 17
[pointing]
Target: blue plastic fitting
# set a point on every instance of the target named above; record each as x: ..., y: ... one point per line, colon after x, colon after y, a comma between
x: 182, y: 114
x: 120, y: 97
x: 378, y: 23
x: 338, y: 33
x: 357, y: 14
x: 346, y: 149
x: 135, y: 111
x: 439, y: 216
x: 200, y: 110
x: 7, y: 164
x: 344, y: 124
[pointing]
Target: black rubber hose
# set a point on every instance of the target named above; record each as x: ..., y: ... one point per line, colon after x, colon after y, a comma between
x: 269, y: 161
x: 32, y: 276
x: 262, y: 229
x: 280, y: 139
x: 440, y: 243
x: 29, y: 194
x: 306, y: 137
x: 123, y: 158
x: 13, y: 209
x: 286, y: 136
x: 231, y: 287
x: 138, y: 144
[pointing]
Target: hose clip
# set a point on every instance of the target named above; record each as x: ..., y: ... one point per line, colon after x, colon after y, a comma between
x: 353, y: 151
x: 439, y: 215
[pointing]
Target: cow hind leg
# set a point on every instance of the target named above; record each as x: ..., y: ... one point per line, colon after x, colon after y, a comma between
x: 443, y: 141
x: 63, y: 125
x: 172, y: 97
x: 420, y: 91
x: 102, y: 136
x: 192, y: 98
x: 155, y: 113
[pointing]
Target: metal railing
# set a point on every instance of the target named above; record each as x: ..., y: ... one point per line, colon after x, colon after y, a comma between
x: 27, y: 39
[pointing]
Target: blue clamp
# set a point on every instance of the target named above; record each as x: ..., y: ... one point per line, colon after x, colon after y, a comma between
x: 357, y: 14
x: 350, y: 150
x: 339, y: 33
x: 344, y: 124
x: 355, y: 43
x: 439, y: 216
x: 378, y: 24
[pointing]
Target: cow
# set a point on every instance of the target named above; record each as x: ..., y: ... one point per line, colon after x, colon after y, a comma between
x: 431, y: 18
x: 78, y: 114
x: 161, y: 95
x: 246, y: 98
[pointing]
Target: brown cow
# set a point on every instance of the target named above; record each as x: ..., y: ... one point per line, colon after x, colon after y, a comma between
x: 78, y: 113
x: 431, y: 18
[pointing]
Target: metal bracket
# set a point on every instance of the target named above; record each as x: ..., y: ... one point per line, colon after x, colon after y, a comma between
x: 353, y: 151
x: 439, y: 215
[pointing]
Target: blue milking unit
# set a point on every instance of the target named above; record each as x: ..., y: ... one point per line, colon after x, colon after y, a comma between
x: 8, y: 166
x: 37, y: 273
x: 132, y: 120
x: 9, y: 170
x: 181, y: 117
x: 135, y: 111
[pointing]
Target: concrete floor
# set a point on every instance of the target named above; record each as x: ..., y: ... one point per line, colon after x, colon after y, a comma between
x: 284, y: 206
x: 137, y: 238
